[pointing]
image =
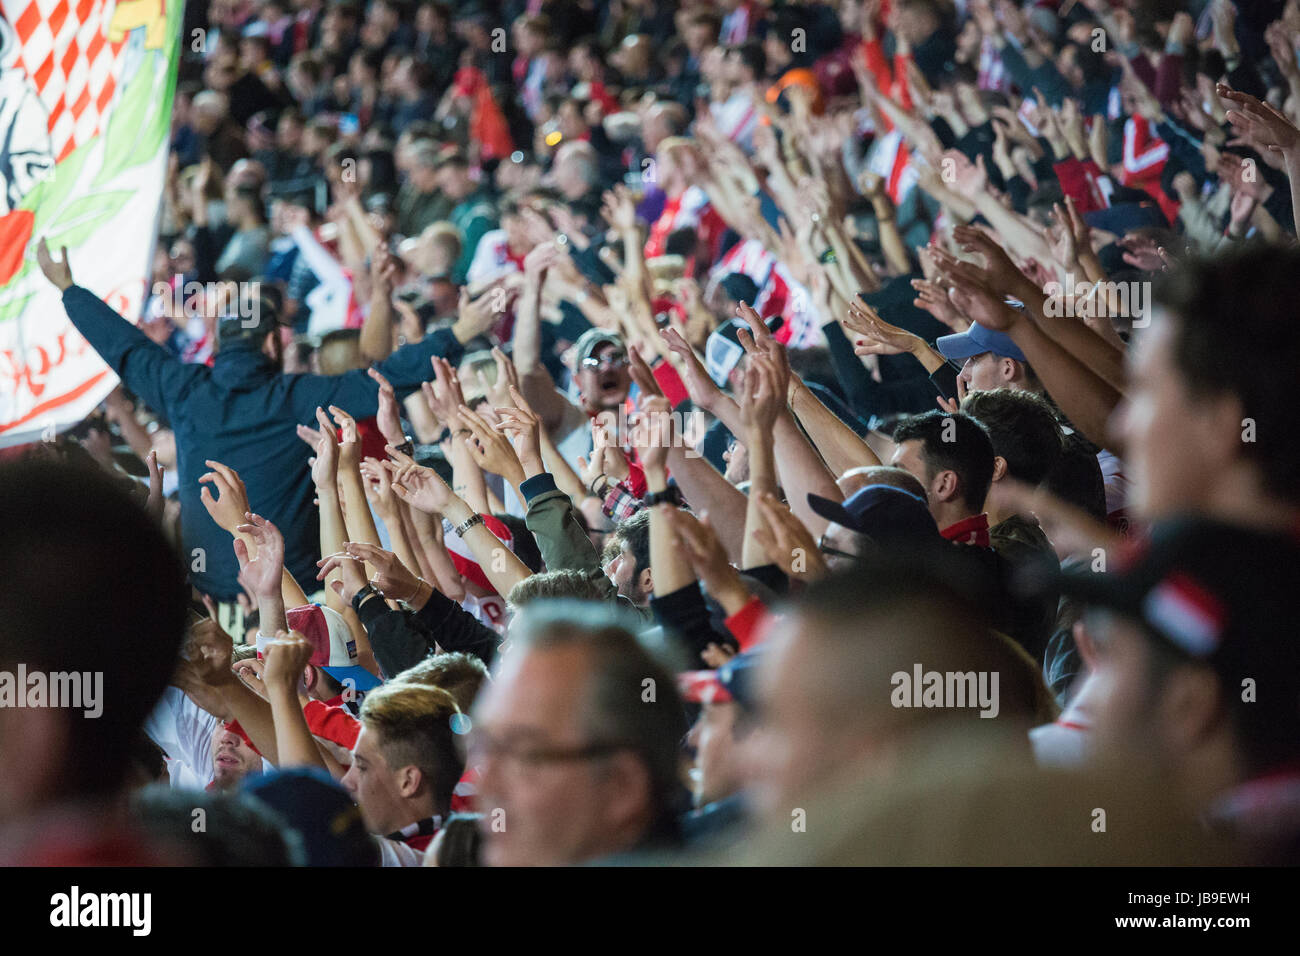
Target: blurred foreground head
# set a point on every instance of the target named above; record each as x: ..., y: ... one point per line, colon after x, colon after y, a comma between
x: 1208, y: 422
x: 870, y: 663
x: 92, y: 611
x: 576, y: 740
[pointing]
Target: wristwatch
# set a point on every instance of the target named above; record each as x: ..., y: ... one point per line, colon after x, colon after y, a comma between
x: 364, y: 595
x: 671, y: 495
x: 407, y: 447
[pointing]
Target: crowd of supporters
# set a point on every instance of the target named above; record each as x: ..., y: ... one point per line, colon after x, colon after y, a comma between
x: 652, y: 432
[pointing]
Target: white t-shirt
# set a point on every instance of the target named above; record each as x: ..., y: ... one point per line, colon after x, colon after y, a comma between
x: 184, y: 731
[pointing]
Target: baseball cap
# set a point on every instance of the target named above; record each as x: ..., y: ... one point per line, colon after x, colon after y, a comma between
x: 593, y: 339
x: 333, y: 648
x: 883, y: 513
x: 326, y: 820
x: 723, y: 352
x: 1219, y: 594
x: 976, y: 341
x: 736, y: 680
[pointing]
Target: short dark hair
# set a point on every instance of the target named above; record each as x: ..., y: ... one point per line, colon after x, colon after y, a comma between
x: 1253, y: 292
x: 969, y: 453
x: 633, y: 534
x: 750, y: 53
x: 1022, y: 428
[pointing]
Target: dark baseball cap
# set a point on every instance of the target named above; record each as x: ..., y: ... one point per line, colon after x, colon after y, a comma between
x: 883, y: 513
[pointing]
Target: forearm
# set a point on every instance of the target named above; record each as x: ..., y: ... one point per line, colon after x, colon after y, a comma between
x: 333, y: 535
x: 762, y: 480
x: 503, y: 568
x: 528, y: 331
x: 414, y: 542
x: 428, y: 530
x: 359, y: 524
x: 802, y: 472
x: 377, y: 330
x: 1087, y: 400
x: 670, y: 572
x: 466, y: 476
x: 838, y: 444
x: 1085, y: 345
x: 254, y: 715
x: 707, y: 490
x: 294, y: 744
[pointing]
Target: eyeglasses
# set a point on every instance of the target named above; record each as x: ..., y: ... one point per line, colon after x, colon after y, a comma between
x: 532, y: 756
x: 832, y: 552
x: 617, y: 360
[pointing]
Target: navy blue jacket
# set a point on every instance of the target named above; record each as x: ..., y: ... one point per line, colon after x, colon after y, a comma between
x: 243, y: 412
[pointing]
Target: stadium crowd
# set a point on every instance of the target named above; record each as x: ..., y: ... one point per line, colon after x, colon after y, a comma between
x: 644, y: 432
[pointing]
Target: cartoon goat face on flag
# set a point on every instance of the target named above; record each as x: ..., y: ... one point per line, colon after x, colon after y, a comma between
x: 26, y: 154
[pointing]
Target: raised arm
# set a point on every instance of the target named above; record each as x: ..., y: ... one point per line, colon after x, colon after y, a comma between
x: 148, y: 369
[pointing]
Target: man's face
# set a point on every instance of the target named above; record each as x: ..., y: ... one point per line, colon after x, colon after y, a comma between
x: 717, y: 774
x: 374, y: 785
x: 983, y: 373
x: 1120, y: 686
x: 795, y: 749
x: 605, y: 383
x: 622, y: 569
x: 232, y: 759
x: 544, y: 803
x: 1169, y: 438
x: 909, y: 456
x: 840, y: 546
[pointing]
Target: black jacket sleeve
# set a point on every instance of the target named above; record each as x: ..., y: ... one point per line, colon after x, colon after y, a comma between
x: 684, y: 615
x: 455, y: 629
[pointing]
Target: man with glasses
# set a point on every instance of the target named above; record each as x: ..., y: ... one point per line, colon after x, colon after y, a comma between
x: 576, y: 741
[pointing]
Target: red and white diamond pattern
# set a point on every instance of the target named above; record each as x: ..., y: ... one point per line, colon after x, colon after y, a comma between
x: 65, y: 50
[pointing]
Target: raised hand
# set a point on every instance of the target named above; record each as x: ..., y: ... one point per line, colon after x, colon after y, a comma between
x: 231, y: 505
x: 931, y: 297
x: 444, y: 394
x: 59, y: 273
x: 349, y: 439
x: 763, y: 396
x: 389, y: 417
x: 379, y: 487
x: 703, y: 390
x: 418, y: 486
x: 324, y: 466
x: 491, y: 450
x: 261, y: 575
x: 877, y: 337
x: 284, y: 660
x: 787, y: 542
x: 522, y: 425
x: 394, y: 579
x: 652, y: 433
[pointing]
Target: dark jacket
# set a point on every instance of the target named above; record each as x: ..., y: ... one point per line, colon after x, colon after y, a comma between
x: 401, y: 639
x: 243, y: 412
